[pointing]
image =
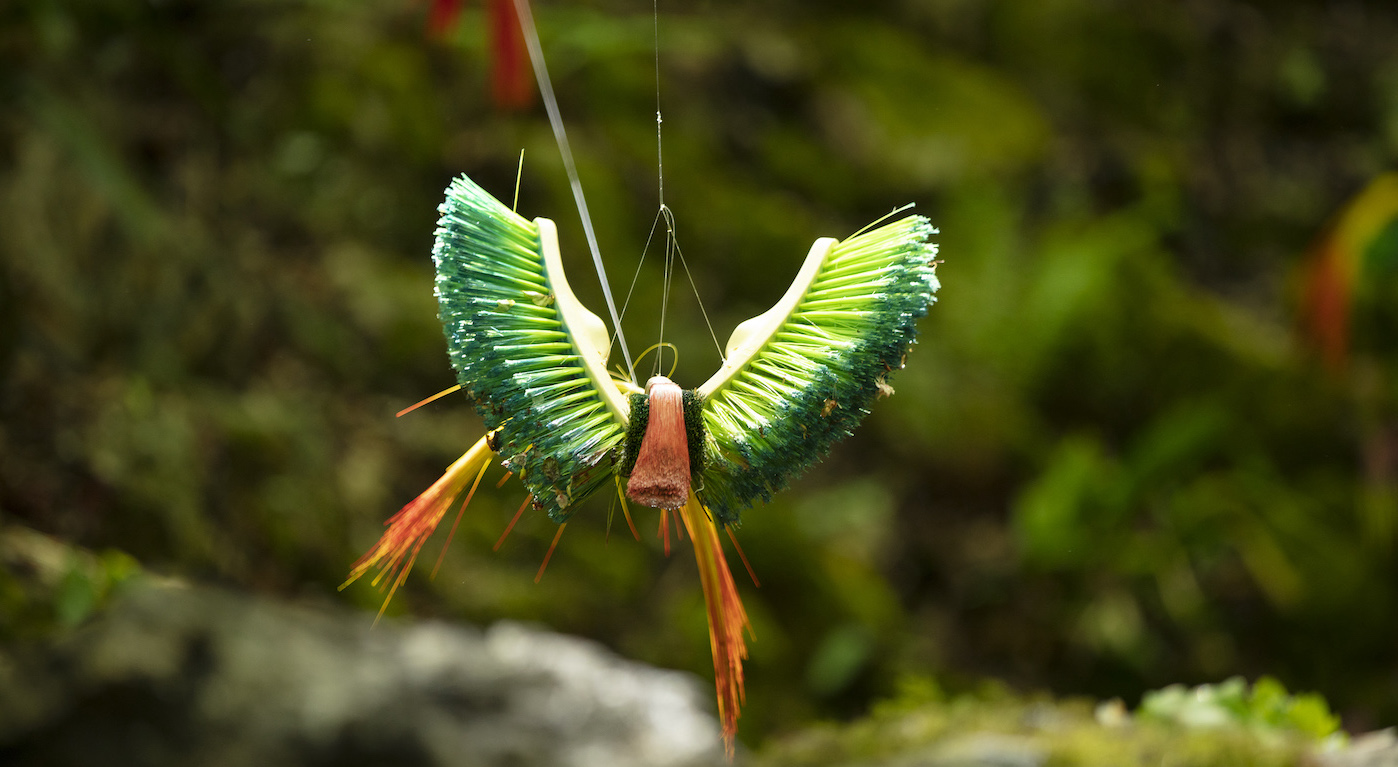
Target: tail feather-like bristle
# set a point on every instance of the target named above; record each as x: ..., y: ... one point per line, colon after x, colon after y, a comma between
x: 397, y: 549
x: 727, y: 618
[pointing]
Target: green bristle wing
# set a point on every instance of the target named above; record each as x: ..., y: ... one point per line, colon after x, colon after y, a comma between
x: 515, y: 355
x: 814, y: 378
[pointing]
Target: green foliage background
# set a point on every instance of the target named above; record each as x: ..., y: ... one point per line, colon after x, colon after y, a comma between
x: 1109, y: 465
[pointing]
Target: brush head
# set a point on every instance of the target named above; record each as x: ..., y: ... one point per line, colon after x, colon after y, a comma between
x: 660, y: 475
x: 517, y: 356
x: 639, y: 423
x: 809, y: 376
x: 796, y: 379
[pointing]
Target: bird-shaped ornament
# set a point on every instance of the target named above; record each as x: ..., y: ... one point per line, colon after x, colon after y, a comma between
x: 794, y: 380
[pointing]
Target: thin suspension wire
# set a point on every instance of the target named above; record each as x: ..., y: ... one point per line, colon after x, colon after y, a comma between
x: 641, y: 262
x: 698, y: 300
x: 664, y: 213
x: 659, y: 148
x: 659, y: 215
x: 670, y: 246
x: 541, y: 74
x: 626, y: 303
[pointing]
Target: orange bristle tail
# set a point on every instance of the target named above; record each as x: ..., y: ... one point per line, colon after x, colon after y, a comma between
x: 742, y: 556
x: 727, y: 618
x: 462, y: 510
x: 511, y: 526
x: 428, y: 401
x: 556, y: 536
x: 397, y: 548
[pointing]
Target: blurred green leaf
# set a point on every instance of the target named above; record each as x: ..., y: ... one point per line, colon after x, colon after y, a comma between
x: 1265, y: 706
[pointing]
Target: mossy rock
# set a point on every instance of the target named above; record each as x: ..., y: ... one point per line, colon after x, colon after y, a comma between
x: 1224, y: 725
x: 47, y: 586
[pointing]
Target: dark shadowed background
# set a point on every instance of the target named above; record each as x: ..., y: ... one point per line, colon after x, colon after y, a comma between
x: 1112, y: 462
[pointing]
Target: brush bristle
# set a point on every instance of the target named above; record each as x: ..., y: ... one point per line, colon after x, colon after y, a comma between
x: 694, y: 433
x: 635, y: 432
x: 514, y: 356
x: 813, y: 381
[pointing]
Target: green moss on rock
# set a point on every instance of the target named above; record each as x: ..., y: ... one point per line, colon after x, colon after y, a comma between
x: 1262, y: 726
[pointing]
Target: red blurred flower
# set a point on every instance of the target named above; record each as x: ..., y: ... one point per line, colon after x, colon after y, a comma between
x: 510, y: 86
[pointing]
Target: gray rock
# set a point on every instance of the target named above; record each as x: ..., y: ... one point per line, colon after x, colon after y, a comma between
x: 987, y: 750
x: 1374, y: 749
x: 180, y: 675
